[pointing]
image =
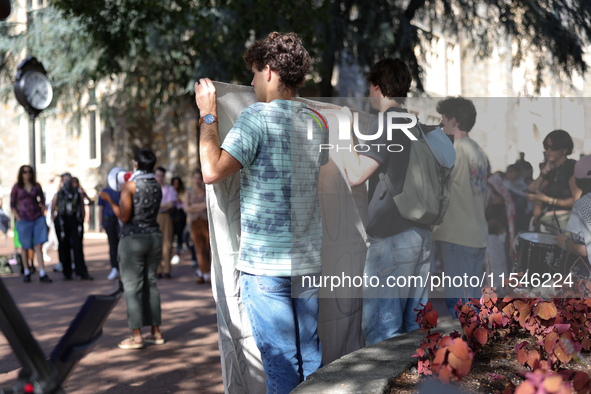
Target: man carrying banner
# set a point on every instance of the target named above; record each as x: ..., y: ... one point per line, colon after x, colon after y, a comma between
x: 281, y: 228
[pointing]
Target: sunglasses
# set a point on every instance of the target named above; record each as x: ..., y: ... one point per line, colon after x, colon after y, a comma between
x: 552, y: 148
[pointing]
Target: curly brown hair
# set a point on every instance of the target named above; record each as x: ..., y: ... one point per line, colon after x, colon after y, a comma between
x: 285, y: 54
x: 393, y: 77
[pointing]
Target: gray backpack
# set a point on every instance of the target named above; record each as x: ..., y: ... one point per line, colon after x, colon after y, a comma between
x: 427, y: 186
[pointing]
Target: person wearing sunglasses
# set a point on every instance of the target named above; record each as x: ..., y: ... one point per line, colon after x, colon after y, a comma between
x: 555, y: 191
x: 28, y: 205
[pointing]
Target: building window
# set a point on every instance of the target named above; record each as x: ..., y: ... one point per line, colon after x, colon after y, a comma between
x: 92, y: 124
x: 29, y: 4
x: 40, y: 3
x: 43, y: 137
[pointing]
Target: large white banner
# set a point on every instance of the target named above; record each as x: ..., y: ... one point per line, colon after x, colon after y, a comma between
x: 344, y: 210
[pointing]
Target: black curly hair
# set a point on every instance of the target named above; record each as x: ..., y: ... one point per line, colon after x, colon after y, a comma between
x: 285, y: 54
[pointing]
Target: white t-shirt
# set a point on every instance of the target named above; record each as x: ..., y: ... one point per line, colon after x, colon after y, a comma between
x: 579, y: 223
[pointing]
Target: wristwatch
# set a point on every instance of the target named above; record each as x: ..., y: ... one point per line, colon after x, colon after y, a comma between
x: 209, y: 119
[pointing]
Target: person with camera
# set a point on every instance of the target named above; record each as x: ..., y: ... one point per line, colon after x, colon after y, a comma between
x: 68, y: 216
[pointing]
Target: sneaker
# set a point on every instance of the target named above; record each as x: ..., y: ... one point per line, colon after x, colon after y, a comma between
x: 193, y: 263
x: 85, y: 276
x: 46, y: 257
x: 114, y: 274
x: 175, y: 260
x: 45, y: 279
x: 58, y: 267
x: 207, y: 277
x: 27, y: 278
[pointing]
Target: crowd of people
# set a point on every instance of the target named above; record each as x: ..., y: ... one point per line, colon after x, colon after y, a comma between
x: 54, y: 217
x: 281, y: 227
x: 140, y: 223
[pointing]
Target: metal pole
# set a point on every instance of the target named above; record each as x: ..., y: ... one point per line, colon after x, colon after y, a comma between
x: 32, y: 140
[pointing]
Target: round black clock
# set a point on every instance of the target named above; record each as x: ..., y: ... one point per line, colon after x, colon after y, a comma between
x: 34, y: 89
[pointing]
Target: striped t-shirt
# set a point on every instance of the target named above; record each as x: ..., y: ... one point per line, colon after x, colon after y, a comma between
x: 281, y: 227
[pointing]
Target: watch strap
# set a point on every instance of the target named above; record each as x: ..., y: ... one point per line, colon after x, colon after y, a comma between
x: 215, y: 119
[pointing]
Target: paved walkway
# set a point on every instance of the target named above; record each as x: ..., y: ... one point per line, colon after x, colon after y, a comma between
x: 188, y: 363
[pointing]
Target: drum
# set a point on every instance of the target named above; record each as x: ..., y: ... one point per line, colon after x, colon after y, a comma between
x: 538, y: 253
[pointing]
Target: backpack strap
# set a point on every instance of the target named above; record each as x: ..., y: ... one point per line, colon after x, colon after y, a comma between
x: 386, y: 185
x: 358, y: 222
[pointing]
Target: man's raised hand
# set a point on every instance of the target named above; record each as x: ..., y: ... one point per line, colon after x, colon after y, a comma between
x: 205, y: 97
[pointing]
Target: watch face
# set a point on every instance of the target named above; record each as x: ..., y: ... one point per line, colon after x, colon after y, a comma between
x: 209, y: 118
x: 37, y: 90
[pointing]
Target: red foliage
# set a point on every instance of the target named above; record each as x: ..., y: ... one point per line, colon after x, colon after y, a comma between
x: 447, y: 356
x: 560, y: 327
x: 427, y: 317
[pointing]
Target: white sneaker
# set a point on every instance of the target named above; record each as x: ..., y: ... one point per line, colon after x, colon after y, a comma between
x: 175, y: 260
x: 207, y: 277
x: 114, y: 274
x: 58, y: 267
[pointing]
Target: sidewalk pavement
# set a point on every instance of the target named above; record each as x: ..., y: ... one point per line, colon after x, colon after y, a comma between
x: 188, y: 362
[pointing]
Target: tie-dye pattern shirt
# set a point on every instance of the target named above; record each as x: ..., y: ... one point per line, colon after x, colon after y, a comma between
x: 281, y: 227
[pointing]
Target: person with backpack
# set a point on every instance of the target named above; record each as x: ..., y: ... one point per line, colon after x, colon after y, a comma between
x: 397, y: 246
x: 464, y: 231
x: 68, y: 216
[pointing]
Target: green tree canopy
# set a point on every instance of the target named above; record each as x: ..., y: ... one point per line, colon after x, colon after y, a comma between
x: 210, y: 36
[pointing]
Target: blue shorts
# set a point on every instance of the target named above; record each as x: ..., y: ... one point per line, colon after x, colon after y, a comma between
x: 32, y: 232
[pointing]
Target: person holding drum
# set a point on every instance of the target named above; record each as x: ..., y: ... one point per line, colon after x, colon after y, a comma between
x: 579, y: 224
x: 555, y: 190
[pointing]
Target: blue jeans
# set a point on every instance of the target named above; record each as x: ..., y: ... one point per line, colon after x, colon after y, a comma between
x: 285, y: 329
x: 389, y: 310
x: 461, y: 260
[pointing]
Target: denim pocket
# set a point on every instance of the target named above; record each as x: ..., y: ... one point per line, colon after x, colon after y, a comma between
x: 407, y: 254
x: 407, y: 246
x: 400, y: 249
x: 272, y: 283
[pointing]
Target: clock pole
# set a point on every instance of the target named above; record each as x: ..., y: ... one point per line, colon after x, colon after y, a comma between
x: 32, y: 155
